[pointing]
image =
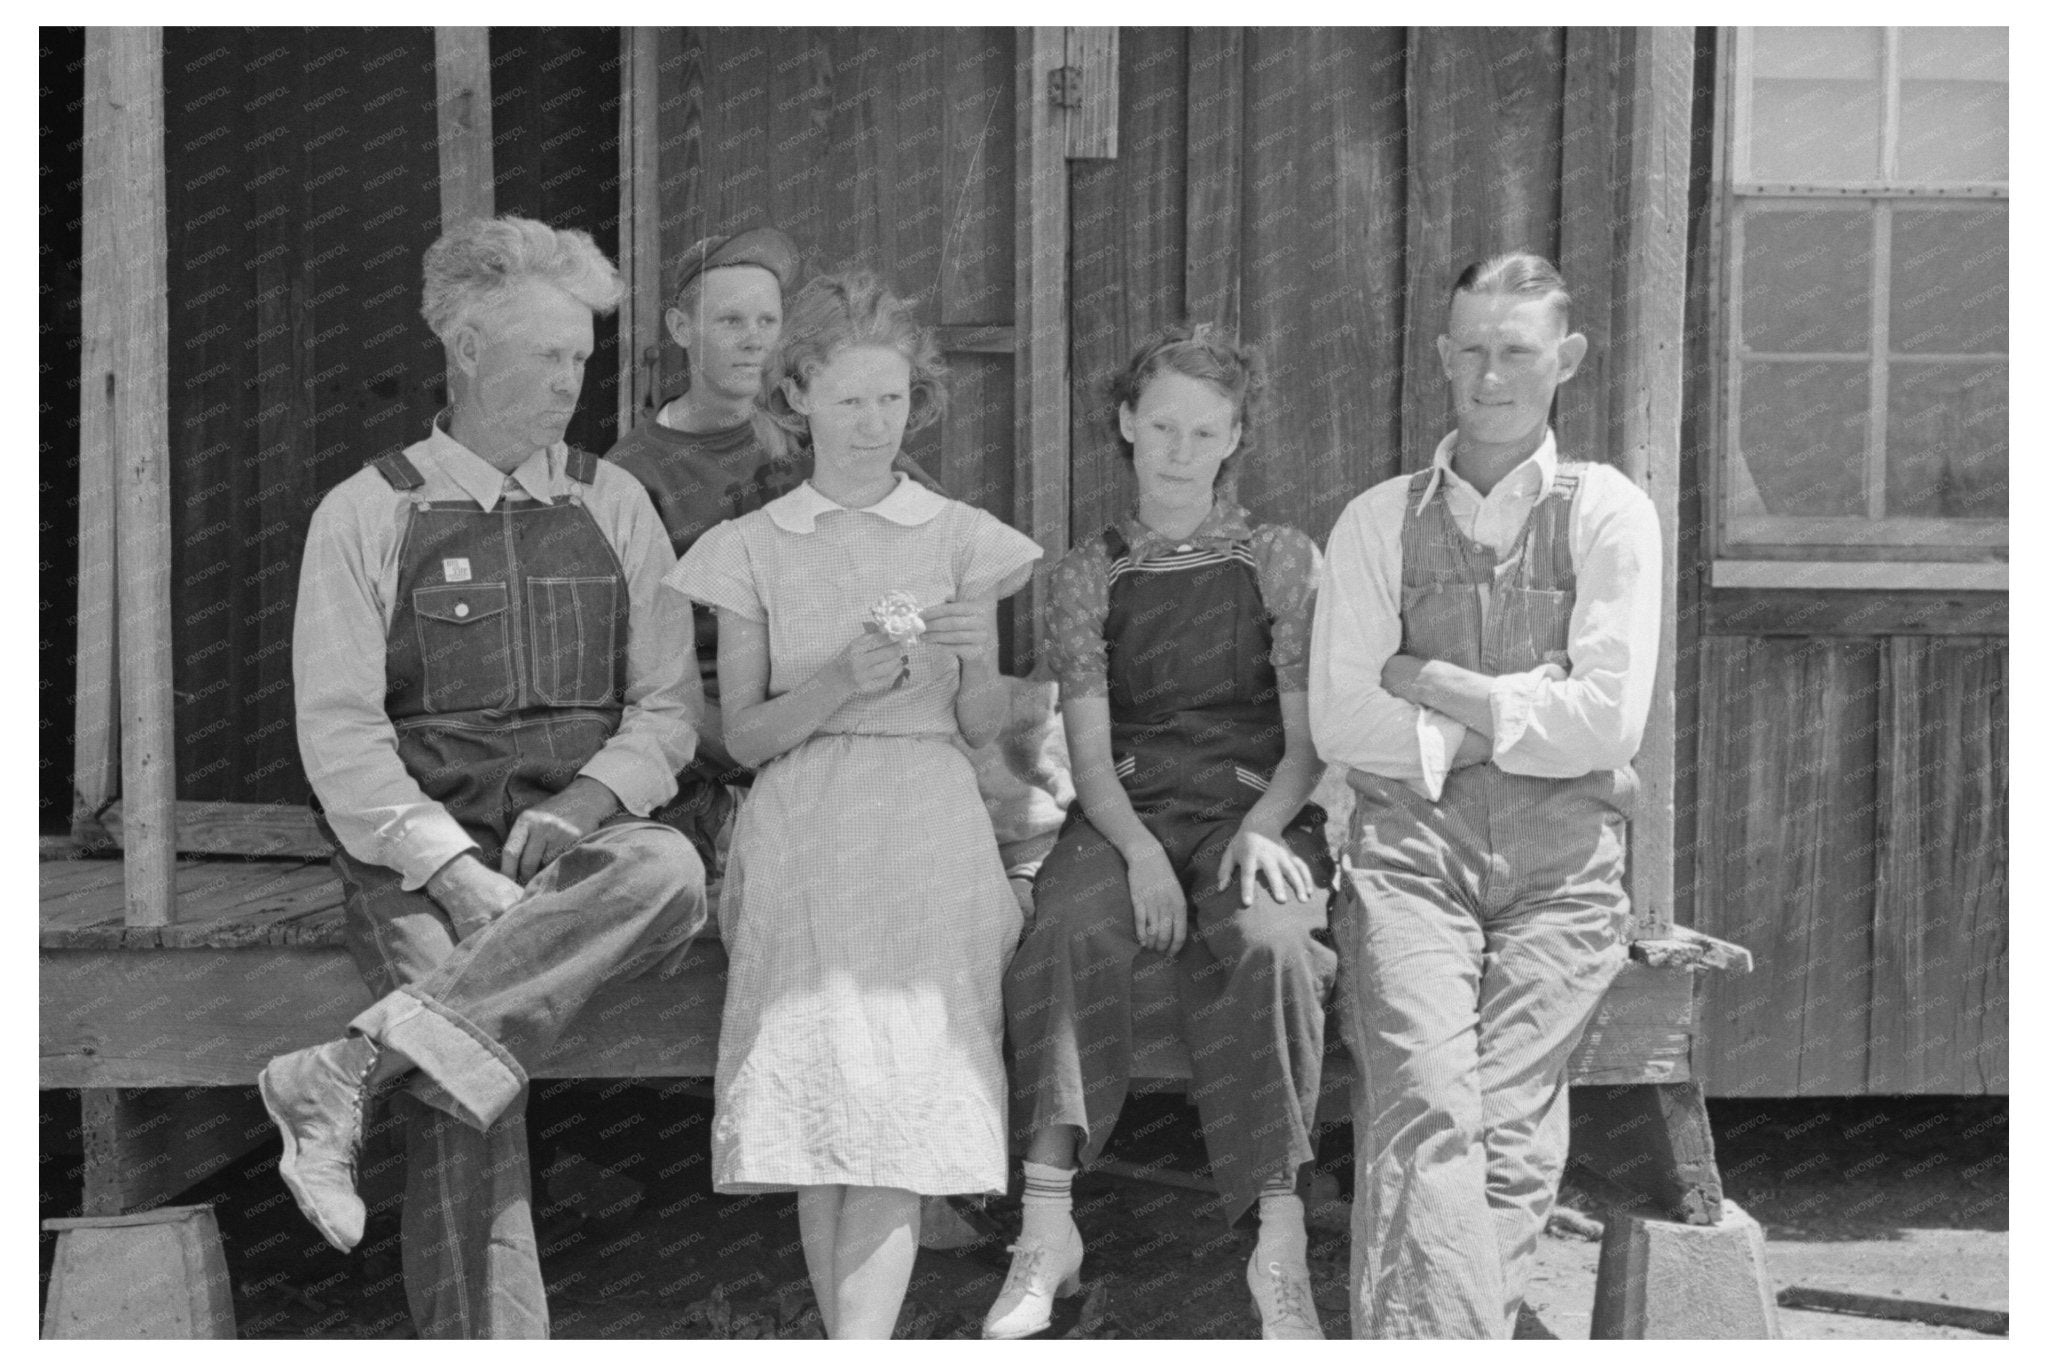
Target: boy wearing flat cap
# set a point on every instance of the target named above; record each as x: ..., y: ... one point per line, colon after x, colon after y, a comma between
x: 701, y: 463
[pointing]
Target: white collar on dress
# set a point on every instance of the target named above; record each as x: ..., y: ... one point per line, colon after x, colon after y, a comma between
x: 1542, y: 466
x: 908, y: 504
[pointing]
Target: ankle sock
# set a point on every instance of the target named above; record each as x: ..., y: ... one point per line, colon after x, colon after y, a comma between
x: 1048, y: 1200
x: 1283, y: 1234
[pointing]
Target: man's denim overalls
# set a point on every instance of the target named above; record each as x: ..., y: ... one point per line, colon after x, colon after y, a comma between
x: 1478, y: 936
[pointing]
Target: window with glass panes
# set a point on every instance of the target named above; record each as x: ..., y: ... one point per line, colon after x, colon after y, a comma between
x: 1864, y: 294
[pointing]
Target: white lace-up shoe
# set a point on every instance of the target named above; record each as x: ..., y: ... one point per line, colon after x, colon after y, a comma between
x: 1286, y: 1313
x: 316, y: 1098
x: 1039, y: 1273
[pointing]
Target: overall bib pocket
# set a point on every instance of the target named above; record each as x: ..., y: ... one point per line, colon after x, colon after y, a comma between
x: 464, y: 635
x: 1531, y: 623
x: 1439, y: 619
x: 572, y: 625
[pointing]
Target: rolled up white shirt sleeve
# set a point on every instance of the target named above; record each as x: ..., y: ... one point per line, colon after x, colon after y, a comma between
x: 347, y: 743
x: 1547, y: 727
x: 1352, y: 719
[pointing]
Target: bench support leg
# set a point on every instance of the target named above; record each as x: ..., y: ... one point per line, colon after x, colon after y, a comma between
x: 1648, y: 1149
x: 144, y: 1146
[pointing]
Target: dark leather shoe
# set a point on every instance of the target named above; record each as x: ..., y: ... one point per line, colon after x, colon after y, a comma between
x: 316, y: 1098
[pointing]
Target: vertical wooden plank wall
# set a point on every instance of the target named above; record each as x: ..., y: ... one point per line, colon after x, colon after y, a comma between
x: 1789, y: 791
x: 1293, y: 178
x: 1483, y: 109
x: 1127, y: 259
x: 1215, y: 194
x: 1939, y: 986
x: 885, y: 148
x: 306, y: 186
x: 1217, y: 209
x: 126, y: 316
x: 1853, y: 817
x: 977, y: 266
x: 1325, y: 193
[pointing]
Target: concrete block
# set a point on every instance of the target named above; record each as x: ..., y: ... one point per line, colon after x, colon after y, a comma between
x: 158, y: 1274
x: 1660, y: 1279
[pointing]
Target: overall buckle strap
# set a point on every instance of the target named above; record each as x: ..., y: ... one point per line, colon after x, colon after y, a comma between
x: 399, y: 471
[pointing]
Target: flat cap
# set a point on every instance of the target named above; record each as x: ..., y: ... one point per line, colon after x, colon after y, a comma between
x: 768, y: 248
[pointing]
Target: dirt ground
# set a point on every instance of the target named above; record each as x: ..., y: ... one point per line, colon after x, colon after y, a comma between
x: 1886, y: 1196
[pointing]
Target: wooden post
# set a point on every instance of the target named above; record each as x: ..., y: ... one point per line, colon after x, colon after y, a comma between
x: 639, y: 223
x: 1091, y: 127
x: 1621, y: 244
x: 1646, y: 394
x: 462, y: 100
x: 1042, y: 389
x: 96, y: 745
x: 128, y: 420
x: 462, y: 104
x: 144, y: 1146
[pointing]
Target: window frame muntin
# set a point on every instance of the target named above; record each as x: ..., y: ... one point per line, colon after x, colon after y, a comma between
x: 1900, y: 540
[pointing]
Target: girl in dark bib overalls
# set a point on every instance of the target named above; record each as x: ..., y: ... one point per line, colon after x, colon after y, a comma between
x: 1180, y: 638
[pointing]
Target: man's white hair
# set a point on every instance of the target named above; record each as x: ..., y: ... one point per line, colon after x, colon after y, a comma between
x: 476, y: 263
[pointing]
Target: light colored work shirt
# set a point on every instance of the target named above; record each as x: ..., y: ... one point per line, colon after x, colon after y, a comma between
x: 347, y: 586
x: 1545, y: 724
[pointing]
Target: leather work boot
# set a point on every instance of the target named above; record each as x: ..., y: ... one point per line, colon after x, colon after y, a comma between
x: 316, y: 1098
x: 1286, y: 1313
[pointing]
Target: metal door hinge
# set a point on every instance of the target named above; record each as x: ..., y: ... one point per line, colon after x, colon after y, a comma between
x: 1065, y: 83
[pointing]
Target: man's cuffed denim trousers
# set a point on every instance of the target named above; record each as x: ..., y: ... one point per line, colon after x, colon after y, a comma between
x: 1477, y: 935
x: 624, y: 900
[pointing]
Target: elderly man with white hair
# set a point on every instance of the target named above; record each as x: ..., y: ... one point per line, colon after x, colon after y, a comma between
x: 494, y: 690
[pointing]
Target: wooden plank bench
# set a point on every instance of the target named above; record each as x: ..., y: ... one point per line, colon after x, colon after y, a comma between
x: 255, y: 967
x: 137, y: 1016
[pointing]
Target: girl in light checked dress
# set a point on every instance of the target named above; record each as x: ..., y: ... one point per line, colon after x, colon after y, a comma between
x: 865, y: 909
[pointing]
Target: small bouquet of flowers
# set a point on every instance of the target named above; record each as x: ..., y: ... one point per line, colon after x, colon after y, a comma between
x: 898, y: 615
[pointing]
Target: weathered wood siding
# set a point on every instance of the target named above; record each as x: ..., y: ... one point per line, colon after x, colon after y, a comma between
x: 1939, y: 967
x: 1852, y: 819
x: 1319, y: 190
x: 886, y: 148
x: 555, y: 157
x: 302, y: 186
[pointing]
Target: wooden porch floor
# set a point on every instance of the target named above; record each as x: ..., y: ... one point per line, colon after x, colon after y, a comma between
x: 222, y: 904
